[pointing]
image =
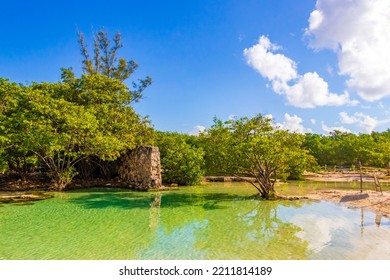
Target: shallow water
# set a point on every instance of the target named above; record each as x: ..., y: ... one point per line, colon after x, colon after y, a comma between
x: 213, y: 221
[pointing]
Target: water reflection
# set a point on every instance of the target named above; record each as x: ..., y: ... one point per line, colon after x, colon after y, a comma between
x: 378, y: 219
x: 233, y: 229
x: 361, y: 221
x: 154, y: 212
x: 208, y: 222
x: 337, y: 232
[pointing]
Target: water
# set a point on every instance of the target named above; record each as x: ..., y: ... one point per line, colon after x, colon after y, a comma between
x: 214, y: 221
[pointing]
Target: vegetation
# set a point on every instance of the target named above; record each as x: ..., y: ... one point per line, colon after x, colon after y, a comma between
x: 61, y: 128
x: 350, y: 149
x: 54, y: 126
x: 253, y: 147
x: 105, y: 62
x: 181, y: 160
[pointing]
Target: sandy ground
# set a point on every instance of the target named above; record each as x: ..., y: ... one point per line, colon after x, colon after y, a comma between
x: 375, y: 201
x: 344, y: 177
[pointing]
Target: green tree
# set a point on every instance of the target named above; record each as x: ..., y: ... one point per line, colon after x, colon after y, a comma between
x: 105, y: 61
x: 60, y: 124
x: 216, y: 144
x: 14, y: 155
x: 64, y: 123
x: 382, y: 148
x: 253, y: 147
x: 182, y: 163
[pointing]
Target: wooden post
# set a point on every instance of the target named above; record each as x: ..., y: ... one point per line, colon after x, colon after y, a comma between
x: 377, y: 185
x: 388, y: 169
x: 361, y: 176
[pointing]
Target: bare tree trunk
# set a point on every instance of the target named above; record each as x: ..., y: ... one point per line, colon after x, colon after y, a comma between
x: 388, y: 169
x: 377, y: 185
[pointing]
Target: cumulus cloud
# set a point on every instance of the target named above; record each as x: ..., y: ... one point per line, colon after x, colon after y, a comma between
x: 303, y: 91
x: 334, y: 128
x: 293, y: 124
x: 359, y: 32
x: 197, y: 129
x: 313, y: 121
x: 361, y: 120
x: 277, y: 68
x: 346, y: 119
x: 311, y: 91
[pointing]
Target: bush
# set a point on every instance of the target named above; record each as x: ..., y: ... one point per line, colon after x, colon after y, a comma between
x: 181, y: 162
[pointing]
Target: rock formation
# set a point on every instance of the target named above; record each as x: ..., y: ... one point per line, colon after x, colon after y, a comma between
x: 141, y: 168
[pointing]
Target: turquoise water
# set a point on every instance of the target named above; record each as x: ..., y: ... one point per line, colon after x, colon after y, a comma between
x: 213, y: 221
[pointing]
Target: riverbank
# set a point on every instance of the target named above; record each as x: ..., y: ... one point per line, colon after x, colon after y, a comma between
x: 17, y: 191
x: 376, y: 201
x: 22, y: 197
x: 344, y: 177
x: 373, y: 200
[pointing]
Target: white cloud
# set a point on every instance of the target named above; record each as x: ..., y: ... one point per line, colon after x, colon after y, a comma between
x: 293, y: 124
x: 359, y: 32
x: 345, y: 119
x: 307, y: 91
x: 334, y: 128
x: 361, y: 120
x: 313, y: 121
x: 330, y: 70
x: 366, y: 122
x: 232, y: 117
x: 311, y: 91
x: 275, y: 67
x: 197, y: 129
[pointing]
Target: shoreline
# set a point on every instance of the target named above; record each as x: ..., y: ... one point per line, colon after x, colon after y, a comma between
x: 344, y: 177
x: 375, y: 201
x: 370, y: 199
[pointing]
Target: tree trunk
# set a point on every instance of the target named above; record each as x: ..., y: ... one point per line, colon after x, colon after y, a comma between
x: 388, y: 169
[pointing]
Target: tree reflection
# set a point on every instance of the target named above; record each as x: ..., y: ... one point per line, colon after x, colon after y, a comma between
x: 234, y: 229
x: 254, y: 231
x: 199, y: 223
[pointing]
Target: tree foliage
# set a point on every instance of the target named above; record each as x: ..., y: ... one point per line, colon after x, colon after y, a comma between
x: 105, y: 61
x: 347, y: 149
x: 253, y: 147
x: 53, y: 126
x: 181, y: 161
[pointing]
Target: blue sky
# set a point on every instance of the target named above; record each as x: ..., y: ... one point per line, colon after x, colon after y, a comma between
x: 313, y: 65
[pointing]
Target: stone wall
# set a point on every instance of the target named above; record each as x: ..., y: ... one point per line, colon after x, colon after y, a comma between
x: 141, y: 168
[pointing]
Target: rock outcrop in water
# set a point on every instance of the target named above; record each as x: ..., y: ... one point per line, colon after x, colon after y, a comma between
x: 141, y: 168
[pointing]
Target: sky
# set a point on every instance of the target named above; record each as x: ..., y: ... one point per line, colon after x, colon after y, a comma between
x: 312, y: 66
